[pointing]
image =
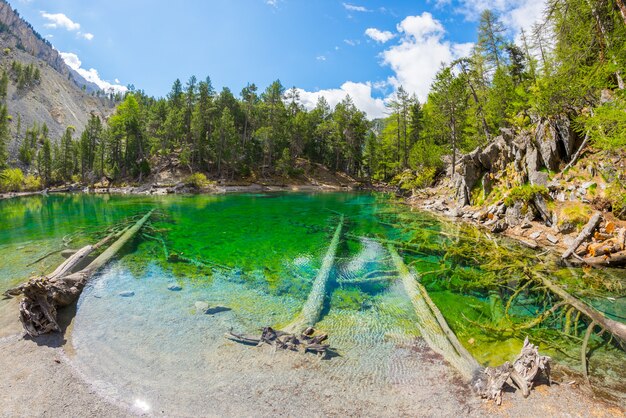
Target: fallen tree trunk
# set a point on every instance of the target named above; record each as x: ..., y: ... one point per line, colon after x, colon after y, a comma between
x: 616, y: 328
x: 314, y: 304
x: 431, y: 323
x: 584, y: 234
x: 44, y: 294
x: 488, y: 382
x: 617, y: 259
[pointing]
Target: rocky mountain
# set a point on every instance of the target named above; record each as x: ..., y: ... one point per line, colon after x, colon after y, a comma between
x: 60, y: 98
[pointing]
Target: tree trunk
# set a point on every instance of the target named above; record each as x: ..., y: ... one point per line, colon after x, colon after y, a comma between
x: 314, y: 304
x: 622, y: 9
x: 584, y: 234
x: 431, y: 323
x: 43, y: 295
x: 618, y: 329
x: 603, y: 31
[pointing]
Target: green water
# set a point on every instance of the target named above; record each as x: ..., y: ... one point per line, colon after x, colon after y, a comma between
x: 257, y: 255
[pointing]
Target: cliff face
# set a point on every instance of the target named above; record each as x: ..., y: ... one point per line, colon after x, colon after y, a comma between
x: 31, y: 42
x: 23, y: 36
x: 58, y: 99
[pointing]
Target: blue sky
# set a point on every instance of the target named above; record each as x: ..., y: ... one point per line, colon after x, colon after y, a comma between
x: 323, y: 47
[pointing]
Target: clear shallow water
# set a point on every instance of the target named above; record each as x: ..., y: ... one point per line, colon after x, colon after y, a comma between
x: 158, y: 350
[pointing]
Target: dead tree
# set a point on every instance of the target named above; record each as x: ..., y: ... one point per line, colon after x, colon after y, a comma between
x: 43, y: 295
x: 488, y: 382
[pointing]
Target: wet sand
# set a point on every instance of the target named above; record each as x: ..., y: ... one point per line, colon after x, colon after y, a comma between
x: 40, y: 378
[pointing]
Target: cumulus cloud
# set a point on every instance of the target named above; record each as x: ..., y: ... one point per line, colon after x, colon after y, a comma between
x: 355, y: 8
x: 59, y: 20
x: 515, y: 14
x: 88, y: 36
x: 361, y: 94
x: 378, y: 35
x: 418, y: 56
x: 91, y: 74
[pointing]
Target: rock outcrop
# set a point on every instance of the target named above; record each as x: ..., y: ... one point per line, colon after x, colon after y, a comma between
x: 532, y: 153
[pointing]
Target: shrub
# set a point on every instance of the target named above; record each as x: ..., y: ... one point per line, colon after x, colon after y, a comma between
x: 198, y: 181
x: 32, y: 183
x: 617, y: 197
x: 524, y: 193
x: 11, y: 180
x: 409, y: 180
x: 575, y: 214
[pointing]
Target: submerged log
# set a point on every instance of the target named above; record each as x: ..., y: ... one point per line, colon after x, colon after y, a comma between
x: 488, y: 382
x: 44, y: 294
x: 314, y: 304
x: 584, y: 234
x: 616, y: 328
x: 431, y: 323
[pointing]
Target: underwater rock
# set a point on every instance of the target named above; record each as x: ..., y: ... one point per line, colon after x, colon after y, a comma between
x: 174, y: 287
x: 126, y: 293
x: 201, y: 305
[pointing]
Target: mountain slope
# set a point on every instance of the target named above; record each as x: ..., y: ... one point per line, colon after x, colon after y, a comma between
x: 58, y: 99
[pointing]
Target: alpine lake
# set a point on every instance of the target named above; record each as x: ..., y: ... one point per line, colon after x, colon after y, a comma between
x: 148, y: 329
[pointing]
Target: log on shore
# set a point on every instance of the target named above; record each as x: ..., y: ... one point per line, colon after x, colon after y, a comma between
x: 45, y: 294
x: 584, y: 234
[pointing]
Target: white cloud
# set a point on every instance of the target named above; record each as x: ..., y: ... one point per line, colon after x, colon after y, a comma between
x: 321, y: 58
x: 515, y: 14
x: 378, y: 35
x: 59, y: 20
x: 91, y: 75
x: 418, y: 56
x: 361, y: 94
x: 352, y: 42
x: 355, y: 8
x: 88, y: 36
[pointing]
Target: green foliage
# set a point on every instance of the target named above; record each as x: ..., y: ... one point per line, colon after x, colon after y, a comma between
x: 617, y: 196
x: 11, y: 180
x: 198, y: 181
x: 32, y: 183
x: 574, y: 213
x: 4, y: 135
x: 607, y: 125
x: 409, y: 180
x: 25, y: 75
x: 524, y: 193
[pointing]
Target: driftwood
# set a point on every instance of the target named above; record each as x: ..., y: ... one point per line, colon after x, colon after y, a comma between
x: 617, y: 259
x: 44, y: 294
x: 584, y: 234
x: 304, y: 342
x: 489, y: 382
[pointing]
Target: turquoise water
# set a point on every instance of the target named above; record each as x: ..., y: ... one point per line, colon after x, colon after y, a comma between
x: 252, y: 258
